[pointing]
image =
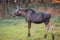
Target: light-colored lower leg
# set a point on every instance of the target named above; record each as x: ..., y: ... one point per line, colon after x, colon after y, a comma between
x: 52, y: 32
x: 51, y: 29
x: 47, y: 28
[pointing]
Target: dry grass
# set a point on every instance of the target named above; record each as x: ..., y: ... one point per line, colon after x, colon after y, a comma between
x: 53, y: 11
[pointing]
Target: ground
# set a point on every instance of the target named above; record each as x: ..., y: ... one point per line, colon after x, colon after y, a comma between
x: 16, y: 29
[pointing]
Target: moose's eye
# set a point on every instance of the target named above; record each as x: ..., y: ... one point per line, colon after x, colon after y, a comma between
x: 19, y: 12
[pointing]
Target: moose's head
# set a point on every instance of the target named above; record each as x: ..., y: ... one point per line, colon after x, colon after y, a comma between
x: 18, y: 12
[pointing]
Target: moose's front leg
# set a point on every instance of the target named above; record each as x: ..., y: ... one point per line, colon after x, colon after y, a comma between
x: 29, y: 26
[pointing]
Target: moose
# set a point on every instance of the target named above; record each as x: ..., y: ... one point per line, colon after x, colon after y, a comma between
x: 32, y: 16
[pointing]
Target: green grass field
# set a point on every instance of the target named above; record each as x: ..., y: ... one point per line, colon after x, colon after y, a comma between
x: 16, y: 29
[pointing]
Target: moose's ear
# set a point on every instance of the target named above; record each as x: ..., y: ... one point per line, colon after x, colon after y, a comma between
x: 16, y: 10
x: 26, y: 9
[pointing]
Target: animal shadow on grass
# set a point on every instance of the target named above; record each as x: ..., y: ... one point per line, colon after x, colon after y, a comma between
x: 37, y: 38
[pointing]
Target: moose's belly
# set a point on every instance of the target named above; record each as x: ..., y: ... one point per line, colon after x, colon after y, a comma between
x: 37, y: 21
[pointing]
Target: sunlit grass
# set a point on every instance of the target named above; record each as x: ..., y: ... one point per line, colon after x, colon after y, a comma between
x: 16, y: 29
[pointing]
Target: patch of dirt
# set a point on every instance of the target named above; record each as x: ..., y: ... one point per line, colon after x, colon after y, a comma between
x: 57, y: 25
x: 37, y: 39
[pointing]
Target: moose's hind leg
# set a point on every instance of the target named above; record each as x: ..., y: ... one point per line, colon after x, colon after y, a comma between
x: 51, y: 29
x: 47, y: 28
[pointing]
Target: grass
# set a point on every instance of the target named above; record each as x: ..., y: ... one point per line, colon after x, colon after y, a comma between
x: 16, y: 29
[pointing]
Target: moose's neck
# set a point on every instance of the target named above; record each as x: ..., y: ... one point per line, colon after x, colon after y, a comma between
x: 23, y: 15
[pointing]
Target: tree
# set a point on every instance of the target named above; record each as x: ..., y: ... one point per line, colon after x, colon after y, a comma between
x: 5, y: 8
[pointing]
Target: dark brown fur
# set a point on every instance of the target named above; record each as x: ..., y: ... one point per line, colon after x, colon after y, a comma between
x: 32, y: 16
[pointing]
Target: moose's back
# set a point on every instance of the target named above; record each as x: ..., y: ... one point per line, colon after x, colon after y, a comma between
x: 39, y: 17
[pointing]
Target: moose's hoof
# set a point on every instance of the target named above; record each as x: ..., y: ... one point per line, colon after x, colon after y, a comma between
x: 52, y: 36
x: 28, y: 35
x: 45, y: 36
